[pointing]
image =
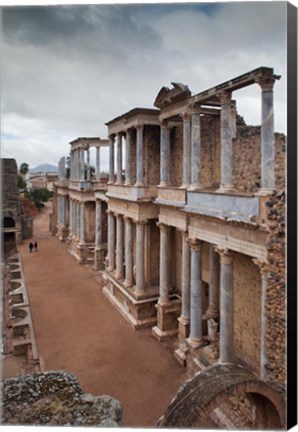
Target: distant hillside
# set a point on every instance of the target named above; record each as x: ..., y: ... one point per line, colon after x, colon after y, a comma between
x: 44, y: 168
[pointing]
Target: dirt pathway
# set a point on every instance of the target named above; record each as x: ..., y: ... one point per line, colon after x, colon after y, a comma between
x: 78, y: 330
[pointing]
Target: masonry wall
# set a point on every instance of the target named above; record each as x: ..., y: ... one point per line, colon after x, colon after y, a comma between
x: 152, y: 152
x: 210, y: 151
x: 133, y: 156
x: 247, y: 311
x: 154, y: 253
x: 176, y: 156
x: 90, y: 222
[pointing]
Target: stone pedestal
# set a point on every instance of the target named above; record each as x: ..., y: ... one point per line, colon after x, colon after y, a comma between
x: 99, y: 256
x: 167, y: 324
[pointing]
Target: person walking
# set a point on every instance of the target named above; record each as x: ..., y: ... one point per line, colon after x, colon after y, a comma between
x: 35, y: 246
x: 31, y: 246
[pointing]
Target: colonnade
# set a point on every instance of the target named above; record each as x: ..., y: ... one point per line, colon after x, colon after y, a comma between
x: 128, y: 157
x: 79, y: 160
x: 62, y: 203
x: 77, y: 225
x: 120, y: 250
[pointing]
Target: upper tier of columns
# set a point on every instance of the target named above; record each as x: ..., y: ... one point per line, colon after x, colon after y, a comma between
x: 80, y: 168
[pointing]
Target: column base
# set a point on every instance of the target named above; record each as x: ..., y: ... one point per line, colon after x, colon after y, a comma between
x: 163, y: 335
x: 180, y: 354
x: 119, y: 276
x: 99, y: 259
x: 226, y: 189
x: 183, y: 329
x: 194, y: 187
x: 264, y: 192
x: 167, y: 318
x: 139, y: 184
x: 127, y: 284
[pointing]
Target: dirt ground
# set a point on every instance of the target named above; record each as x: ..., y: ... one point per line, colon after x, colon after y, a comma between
x: 78, y: 330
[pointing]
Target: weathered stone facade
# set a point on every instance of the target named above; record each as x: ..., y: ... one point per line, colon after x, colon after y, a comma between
x: 196, y: 228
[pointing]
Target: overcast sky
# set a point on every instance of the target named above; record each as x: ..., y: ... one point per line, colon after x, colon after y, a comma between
x: 67, y: 70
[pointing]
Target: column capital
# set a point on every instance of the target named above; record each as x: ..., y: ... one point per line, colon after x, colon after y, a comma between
x: 162, y: 226
x: 127, y: 219
x: 195, y: 108
x: 139, y: 127
x: 225, y: 255
x: 112, y: 137
x: 141, y: 222
x: 110, y: 212
x: 262, y: 265
x: 185, y: 115
x: 266, y: 83
x: 118, y: 215
x: 195, y: 244
x: 225, y: 96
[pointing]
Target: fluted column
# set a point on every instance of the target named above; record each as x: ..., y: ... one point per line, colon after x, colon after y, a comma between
x: 128, y: 253
x: 140, y: 262
x: 185, y: 312
x: 186, y: 150
x: 164, y: 155
x: 97, y: 167
x: 119, y: 246
x: 111, y: 241
x: 140, y: 156
x: 267, y: 136
x: 226, y: 338
x: 128, y: 158
x: 164, y: 266
x: 263, y: 268
x: 111, y: 160
x: 196, y: 306
x: 98, y: 223
x: 226, y: 135
x: 119, y: 158
x: 82, y: 222
x: 213, y: 305
x: 195, y: 148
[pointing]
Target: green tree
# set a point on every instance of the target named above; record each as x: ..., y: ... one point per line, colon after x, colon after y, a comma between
x: 39, y: 196
x: 21, y: 182
x: 24, y: 168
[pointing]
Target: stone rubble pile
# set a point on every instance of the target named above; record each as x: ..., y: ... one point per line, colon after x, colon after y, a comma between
x: 55, y: 398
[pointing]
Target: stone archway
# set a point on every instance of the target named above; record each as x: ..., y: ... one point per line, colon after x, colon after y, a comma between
x: 225, y: 397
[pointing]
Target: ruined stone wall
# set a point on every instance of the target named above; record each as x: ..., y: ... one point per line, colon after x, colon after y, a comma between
x: 27, y: 227
x: 90, y: 222
x: 53, y: 215
x: 247, y: 159
x: 247, y: 311
x: 210, y: 151
x: 176, y: 156
x: 152, y: 155
x: 276, y: 291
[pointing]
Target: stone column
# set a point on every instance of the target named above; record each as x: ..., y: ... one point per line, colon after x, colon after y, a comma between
x: 226, y: 148
x: 82, y: 171
x: 140, y: 264
x: 70, y: 216
x: 119, y: 158
x: 140, y: 156
x: 213, y: 306
x: 98, y: 223
x: 195, y: 149
x: 119, y: 246
x: 263, y: 268
x: 184, y: 319
x: 63, y: 211
x: 97, y: 168
x: 82, y: 222
x: 111, y: 160
x: 164, y: 269
x: 226, y: 340
x: 186, y: 150
x: 88, y: 165
x: 78, y: 219
x: 111, y: 241
x: 164, y: 155
x: 267, y: 136
x: 128, y: 158
x: 234, y: 118
x: 128, y: 253
x: 196, y: 301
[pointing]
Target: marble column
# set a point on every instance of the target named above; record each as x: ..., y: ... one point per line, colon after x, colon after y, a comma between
x: 226, y: 136
x: 82, y: 222
x: 88, y: 165
x: 140, y: 156
x: 70, y: 216
x: 63, y: 211
x: 226, y: 337
x: 98, y: 223
x: 82, y: 166
x: 185, y: 289
x: 164, y: 155
x: 128, y: 158
x: 111, y: 160
x: 196, y: 300
x: 140, y: 262
x: 263, y: 268
x: 128, y: 253
x: 213, y: 305
x: 164, y: 266
x: 111, y: 241
x: 119, y: 247
x: 196, y: 148
x: 267, y: 136
x: 186, y: 150
x: 234, y: 118
x: 119, y: 158
x: 97, y: 167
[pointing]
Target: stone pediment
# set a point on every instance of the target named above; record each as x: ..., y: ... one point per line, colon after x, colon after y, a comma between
x: 168, y: 96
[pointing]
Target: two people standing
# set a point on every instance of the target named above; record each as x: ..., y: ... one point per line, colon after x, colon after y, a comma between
x: 32, y: 246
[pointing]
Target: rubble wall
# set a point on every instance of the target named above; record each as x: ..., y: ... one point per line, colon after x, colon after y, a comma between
x: 176, y: 156
x: 210, y: 151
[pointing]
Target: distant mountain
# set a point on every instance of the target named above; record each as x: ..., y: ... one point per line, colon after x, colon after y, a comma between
x: 44, y: 168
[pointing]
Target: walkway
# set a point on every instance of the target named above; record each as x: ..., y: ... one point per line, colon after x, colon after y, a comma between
x: 78, y: 330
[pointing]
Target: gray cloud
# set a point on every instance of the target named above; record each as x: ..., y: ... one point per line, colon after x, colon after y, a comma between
x: 67, y: 70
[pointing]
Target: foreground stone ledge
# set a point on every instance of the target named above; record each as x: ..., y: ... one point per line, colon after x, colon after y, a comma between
x: 55, y: 398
